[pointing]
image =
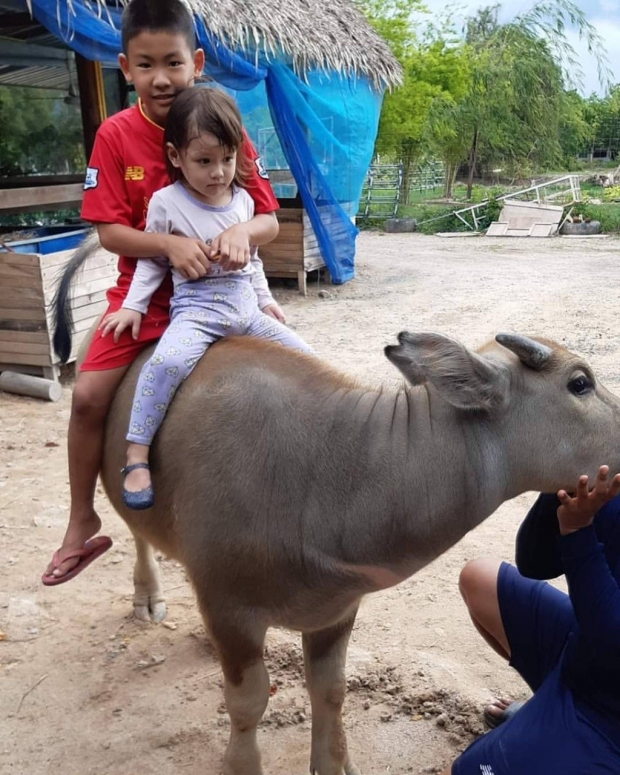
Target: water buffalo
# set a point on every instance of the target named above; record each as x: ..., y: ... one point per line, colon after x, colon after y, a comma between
x: 288, y: 491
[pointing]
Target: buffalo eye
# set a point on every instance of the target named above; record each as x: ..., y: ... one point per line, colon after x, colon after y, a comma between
x: 580, y: 385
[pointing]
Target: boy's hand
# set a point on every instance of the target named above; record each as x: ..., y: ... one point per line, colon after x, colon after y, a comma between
x: 119, y: 321
x: 190, y: 257
x: 578, y: 511
x: 274, y: 311
x: 232, y: 247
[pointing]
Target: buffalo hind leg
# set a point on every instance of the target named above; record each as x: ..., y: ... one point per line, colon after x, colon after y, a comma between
x: 240, y: 643
x: 148, y: 599
x: 325, y: 654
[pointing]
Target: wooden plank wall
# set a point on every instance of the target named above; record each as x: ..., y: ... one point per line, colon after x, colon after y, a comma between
x: 295, y: 249
x: 27, y: 287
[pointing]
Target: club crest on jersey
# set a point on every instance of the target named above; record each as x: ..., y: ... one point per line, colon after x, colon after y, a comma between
x: 92, y: 178
x: 260, y: 168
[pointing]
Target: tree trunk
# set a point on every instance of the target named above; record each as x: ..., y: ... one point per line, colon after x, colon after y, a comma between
x: 473, y: 153
x: 448, y: 178
x: 408, y: 160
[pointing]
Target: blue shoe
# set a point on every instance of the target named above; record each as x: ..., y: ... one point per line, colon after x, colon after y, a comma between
x: 142, y: 499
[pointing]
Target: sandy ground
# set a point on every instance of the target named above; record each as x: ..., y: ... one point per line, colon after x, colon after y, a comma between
x: 86, y: 690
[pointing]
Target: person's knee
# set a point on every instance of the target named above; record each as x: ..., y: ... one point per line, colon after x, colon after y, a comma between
x: 90, y: 400
x: 477, y: 580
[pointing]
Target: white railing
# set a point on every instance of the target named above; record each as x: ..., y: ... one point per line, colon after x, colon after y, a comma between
x: 566, y: 187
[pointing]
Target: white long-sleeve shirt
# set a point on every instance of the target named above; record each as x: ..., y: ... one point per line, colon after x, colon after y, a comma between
x: 173, y: 210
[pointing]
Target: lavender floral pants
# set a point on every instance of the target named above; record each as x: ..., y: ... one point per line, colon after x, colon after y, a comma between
x: 201, y: 313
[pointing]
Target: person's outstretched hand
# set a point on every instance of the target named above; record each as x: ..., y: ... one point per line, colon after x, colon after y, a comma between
x: 578, y: 510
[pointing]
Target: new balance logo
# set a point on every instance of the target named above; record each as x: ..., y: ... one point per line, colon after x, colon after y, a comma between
x: 486, y: 769
x: 134, y: 173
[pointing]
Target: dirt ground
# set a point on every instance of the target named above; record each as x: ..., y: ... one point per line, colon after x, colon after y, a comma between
x: 87, y: 690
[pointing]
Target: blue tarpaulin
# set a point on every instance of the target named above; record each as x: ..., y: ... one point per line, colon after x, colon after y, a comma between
x: 322, y: 126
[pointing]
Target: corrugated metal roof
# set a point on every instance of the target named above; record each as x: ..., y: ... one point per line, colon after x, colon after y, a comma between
x: 18, y: 26
x: 40, y: 77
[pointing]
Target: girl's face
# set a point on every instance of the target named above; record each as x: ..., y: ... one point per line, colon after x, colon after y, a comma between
x: 208, y: 168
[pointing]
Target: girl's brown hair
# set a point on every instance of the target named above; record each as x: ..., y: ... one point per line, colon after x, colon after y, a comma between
x: 204, y: 109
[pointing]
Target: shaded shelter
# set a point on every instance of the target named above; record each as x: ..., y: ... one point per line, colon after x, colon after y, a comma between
x: 309, y: 78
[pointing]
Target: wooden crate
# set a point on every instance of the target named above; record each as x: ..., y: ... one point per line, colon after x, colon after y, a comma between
x: 27, y: 287
x: 295, y: 251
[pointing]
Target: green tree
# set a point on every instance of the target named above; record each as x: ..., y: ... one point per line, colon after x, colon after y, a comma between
x: 576, y: 130
x: 517, y: 101
x: 434, y: 70
x: 39, y: 133
x: 496, y: 95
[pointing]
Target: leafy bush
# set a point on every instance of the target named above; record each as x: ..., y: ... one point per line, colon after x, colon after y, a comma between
x: 611, y: 194
x: 607, y: 214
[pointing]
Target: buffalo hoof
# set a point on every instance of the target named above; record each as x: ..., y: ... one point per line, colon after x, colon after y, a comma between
x: 154, y: 612
x: 349, y: 769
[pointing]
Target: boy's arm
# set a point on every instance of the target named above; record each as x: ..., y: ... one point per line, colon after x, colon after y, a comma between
x: 188, y: 256
x: 264, y: 227
x: 593, y: 590
x: 537, y: 546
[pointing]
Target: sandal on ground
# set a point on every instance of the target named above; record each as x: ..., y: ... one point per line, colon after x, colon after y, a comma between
x: 493, y: 720
x: 89, y: 552
x: 141, y: 499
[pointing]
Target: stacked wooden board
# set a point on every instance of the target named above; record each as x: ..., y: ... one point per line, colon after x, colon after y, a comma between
x: 295, y: 251
x: 27, y: 286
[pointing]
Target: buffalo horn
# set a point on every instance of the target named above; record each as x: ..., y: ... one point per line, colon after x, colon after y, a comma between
x: 531, y: 353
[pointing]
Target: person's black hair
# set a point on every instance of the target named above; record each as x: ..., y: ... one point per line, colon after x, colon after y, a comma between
x: 171, y: 16
x: 198, y: 110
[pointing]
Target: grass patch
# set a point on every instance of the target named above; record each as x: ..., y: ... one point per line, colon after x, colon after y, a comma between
x: 608, y: 214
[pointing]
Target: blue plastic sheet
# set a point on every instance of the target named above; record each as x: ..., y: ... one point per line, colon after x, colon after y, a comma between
x: 322, y: 126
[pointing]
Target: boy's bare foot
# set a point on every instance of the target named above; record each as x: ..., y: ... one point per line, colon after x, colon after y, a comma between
x: 78, y: 533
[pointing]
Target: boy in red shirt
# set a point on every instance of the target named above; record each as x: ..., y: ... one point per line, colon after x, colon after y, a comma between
x: 126, y: 167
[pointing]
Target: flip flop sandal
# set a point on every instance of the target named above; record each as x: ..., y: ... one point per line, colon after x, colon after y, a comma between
x: 142, y: 499
x: 89, y: 552
x: 494, y: 720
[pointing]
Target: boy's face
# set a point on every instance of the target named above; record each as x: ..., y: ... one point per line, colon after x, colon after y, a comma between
x: 160, y: 64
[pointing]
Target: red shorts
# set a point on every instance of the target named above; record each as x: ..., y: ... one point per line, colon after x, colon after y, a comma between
x: 104, y: 353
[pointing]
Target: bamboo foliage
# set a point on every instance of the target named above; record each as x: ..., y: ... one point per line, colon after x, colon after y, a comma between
x: 310, y: 34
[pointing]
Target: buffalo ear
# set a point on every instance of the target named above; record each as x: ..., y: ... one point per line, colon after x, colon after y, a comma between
x: 529, y: 351
x: 463, y: 378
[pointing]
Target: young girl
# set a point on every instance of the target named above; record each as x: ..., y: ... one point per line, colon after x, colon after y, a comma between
x: 202, y: 136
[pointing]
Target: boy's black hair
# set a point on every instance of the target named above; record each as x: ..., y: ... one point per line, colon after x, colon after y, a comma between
x: 171, y: 16
x: 199, y: 110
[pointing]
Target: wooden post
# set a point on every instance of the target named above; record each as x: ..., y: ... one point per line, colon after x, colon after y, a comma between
x: 92, y: 99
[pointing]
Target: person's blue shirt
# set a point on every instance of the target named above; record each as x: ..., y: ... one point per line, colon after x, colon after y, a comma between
x: 590, y: 560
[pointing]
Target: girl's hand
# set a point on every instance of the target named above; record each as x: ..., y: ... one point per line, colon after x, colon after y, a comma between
x: 274, y: 311
x: 578, y: 511
x: 190, y: 257
x: 232, y: 247
x: 119, y: 321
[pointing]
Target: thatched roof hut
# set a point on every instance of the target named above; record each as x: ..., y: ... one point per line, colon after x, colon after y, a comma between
x: 312, y: 33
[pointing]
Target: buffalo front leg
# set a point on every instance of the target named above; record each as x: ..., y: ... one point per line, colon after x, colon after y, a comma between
x: 246, y: 687
x: 148, y: 598
x: 325, y: 654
